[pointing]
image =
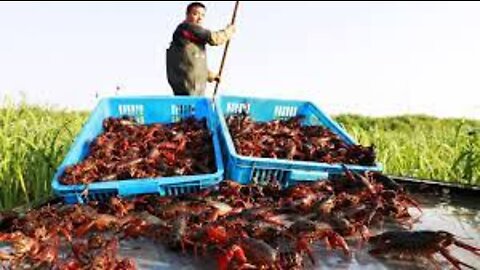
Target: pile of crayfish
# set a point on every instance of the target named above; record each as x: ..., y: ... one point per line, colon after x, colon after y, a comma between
x: 129, y: 150
x: 251, y: 226
x: 289, y: 139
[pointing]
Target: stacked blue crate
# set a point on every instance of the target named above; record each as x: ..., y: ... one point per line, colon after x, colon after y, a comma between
x: 247, y: 169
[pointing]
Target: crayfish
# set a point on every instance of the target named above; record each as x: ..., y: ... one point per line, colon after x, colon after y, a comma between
x: 420, y: 243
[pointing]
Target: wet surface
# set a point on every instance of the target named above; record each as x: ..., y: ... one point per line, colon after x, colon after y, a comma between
x: 458, y: 215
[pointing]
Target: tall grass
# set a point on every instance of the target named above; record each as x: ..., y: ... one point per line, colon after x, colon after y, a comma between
x: 421, y: 146
x: 34, y: 141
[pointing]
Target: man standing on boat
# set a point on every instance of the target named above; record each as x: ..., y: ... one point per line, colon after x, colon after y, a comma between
x: 187, y: 70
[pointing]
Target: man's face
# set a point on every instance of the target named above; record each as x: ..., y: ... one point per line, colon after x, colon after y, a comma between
x: 196, y: 15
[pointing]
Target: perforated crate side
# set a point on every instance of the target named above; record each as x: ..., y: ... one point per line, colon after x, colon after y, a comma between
x: 245, y: 169
x: 146, y: 110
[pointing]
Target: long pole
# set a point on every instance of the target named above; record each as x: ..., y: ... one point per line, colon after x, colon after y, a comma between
x: 226, y: 49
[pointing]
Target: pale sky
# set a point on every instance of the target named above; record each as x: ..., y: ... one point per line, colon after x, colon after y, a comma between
x: 370, y: 58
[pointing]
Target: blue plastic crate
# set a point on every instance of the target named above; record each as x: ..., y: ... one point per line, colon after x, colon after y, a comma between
x: 247, y: 169
x: 146, y: 110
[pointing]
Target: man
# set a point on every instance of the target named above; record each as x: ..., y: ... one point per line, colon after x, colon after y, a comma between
x: 187, y: 70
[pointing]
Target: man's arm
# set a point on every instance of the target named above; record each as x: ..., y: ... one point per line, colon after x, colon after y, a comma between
x: 222, y: 36
x: 199, y: 34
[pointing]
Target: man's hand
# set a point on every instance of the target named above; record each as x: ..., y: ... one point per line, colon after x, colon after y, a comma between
x: 230, y: 29
x: 213, y: 77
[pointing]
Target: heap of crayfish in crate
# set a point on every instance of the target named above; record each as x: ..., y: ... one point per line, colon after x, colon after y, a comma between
x: 128, y: 150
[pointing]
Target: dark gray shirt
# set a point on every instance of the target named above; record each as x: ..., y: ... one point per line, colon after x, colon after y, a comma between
x: 187, y: 70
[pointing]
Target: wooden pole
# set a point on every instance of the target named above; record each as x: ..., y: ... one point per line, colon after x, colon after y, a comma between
x: 226, y: 49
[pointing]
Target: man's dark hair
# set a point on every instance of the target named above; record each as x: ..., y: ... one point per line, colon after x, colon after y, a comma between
x: 194, y: 5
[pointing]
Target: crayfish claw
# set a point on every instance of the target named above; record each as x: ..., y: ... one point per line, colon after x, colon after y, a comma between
x: 454, y: 261
x: 474, y: 250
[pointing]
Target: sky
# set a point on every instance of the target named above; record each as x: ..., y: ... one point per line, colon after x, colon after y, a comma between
x: 369, y: 58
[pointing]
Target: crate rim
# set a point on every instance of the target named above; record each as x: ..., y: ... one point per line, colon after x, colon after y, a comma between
x: 62, y: 190
x: 166, y: 97
x: 171, y: 180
